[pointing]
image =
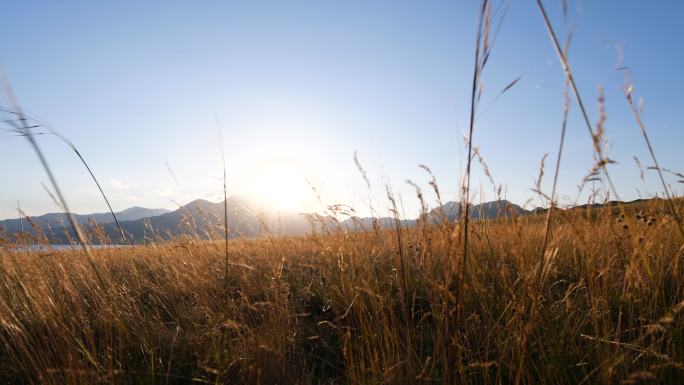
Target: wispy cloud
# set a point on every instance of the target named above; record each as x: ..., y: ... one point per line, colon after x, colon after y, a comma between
x: 117, y: 184
x: 166, y: 192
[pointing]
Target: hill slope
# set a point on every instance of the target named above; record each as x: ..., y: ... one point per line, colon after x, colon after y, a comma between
x: 57, y: 219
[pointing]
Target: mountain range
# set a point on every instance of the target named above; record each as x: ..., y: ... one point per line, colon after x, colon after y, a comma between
x: 58, y: 219
x: 245, y: 219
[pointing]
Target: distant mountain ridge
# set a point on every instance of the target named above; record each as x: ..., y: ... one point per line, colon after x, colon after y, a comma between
x: 204, y: 219
x: 245, y: 219
x: 487, y: 210
x: 57, y: 219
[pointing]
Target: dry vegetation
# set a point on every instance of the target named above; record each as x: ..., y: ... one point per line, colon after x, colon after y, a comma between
x: 582, y: 296
x: 359, y: 308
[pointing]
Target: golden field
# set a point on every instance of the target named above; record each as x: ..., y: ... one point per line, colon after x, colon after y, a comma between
x: 390, y: 306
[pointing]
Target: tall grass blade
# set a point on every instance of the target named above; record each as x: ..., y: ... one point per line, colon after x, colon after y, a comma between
x: 644, y: 133
x: 26, y: 130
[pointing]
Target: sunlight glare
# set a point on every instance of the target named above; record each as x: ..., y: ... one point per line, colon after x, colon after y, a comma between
x: 280, y: 185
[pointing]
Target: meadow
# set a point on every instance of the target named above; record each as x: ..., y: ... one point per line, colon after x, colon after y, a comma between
x: 377, y: 307
x: 585, y: 295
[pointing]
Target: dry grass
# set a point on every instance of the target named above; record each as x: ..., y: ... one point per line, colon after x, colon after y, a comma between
x: 563, y: 297
x: 608, y: 307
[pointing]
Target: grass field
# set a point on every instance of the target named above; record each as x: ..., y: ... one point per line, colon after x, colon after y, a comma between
x: 586, y: 295
x: 359, y: 308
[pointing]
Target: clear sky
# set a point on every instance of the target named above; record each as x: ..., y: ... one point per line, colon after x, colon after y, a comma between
x: 298, y: 86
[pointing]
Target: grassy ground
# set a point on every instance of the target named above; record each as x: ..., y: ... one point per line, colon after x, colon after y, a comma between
x: 359, y: 308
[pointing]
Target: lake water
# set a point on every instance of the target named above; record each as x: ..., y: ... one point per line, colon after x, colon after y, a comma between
x: 45, y: 248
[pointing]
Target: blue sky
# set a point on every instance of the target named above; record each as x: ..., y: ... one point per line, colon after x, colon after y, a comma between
x: 306, y: 83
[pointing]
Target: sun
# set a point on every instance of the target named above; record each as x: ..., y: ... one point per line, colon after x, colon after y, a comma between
x: 281, y: 185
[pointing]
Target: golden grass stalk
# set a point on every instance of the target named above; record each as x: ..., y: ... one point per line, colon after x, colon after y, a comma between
x: 596, y: 136
x: 225, y: 206
x: 628, y: 90
x: 26, y: 131
x: 68, y: 142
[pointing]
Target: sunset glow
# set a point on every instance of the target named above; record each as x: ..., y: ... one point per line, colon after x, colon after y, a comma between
x: 280, y: 184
